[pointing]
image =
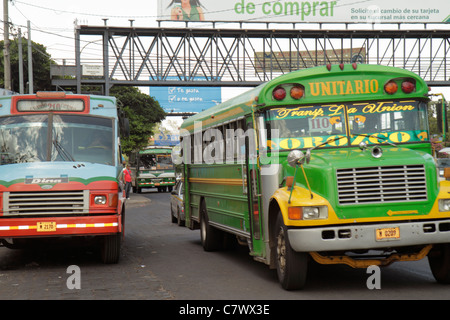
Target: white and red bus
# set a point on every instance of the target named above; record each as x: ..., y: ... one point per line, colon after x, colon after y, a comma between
x: 60, y: 169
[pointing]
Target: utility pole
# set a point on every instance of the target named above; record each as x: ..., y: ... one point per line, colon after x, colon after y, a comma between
x: 30, y: 61
x: 21, y: 91
x: 6, y: 55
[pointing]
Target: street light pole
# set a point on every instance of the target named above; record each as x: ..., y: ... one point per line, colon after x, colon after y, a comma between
x: 6, y: 55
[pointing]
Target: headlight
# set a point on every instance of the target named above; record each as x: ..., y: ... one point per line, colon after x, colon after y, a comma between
x: 444, y: 204
x: 100, y: 200
x: 308, y: 213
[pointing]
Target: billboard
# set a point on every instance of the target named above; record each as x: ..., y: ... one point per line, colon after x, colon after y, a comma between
x: 186, y: 99
x: 163, y: 139
x: 328, y: 11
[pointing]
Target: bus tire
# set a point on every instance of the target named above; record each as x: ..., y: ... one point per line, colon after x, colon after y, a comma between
x: 291, y: 266
x: 110, y: 248
x: 439, y: 260
x: 211, y: 237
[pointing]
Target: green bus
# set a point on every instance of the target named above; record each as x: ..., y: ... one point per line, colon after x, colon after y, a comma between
x: 332, y: 163
x: 153, y: 168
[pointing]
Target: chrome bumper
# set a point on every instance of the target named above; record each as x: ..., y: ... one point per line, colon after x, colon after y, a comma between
x: 353, y: 237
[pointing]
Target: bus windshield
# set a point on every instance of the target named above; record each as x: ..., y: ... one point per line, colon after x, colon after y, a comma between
x: 347, y: 124
x: 155, y: 162
x: 72, y: 138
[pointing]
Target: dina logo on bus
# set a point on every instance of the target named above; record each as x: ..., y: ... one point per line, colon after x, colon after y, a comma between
x: 46, y: 180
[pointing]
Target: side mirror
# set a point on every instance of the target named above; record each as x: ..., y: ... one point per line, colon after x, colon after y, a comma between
x: 296, y: 157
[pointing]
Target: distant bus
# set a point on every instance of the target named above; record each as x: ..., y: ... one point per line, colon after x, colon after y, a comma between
x: 326, y: 163
x: 60, y: 170
x: 153, y: 168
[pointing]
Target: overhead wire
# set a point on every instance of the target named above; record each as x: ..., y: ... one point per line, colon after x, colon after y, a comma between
x: 159, y: 17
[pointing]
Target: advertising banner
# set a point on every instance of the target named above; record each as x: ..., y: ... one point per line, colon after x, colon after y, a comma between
x: 298, y: 11
x: 186, y: 99
x: 163, y: 139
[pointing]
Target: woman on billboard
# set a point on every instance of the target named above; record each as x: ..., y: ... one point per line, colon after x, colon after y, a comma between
x: 186, y: 10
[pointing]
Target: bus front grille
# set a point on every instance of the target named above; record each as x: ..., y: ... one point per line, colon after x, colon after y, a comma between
x: 46, y: 203
x: 381, y: 184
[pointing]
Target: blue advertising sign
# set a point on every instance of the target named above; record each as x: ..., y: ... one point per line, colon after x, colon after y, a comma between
x: 163, y: 139
x: 186, y: 99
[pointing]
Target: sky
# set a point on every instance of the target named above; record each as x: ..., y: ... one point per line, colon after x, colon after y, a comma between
x: 53, y: 21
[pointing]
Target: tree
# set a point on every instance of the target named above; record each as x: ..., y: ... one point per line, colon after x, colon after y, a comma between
x: 143, y: 113
x: 41, y: 66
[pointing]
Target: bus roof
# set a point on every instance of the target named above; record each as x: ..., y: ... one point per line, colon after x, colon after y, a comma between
x: 323, y: 84
x: 99, y: 105
x: 156, y: 150
x: 231, y: 109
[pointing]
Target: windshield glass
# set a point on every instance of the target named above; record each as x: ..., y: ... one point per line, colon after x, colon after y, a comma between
x: 23, y: 139
x: 155, y: 162
x: 164, y: 161
x: 73, y: 138
x: 372, y: 123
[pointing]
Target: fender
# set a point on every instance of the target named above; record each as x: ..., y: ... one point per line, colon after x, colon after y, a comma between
x: 302, y: 197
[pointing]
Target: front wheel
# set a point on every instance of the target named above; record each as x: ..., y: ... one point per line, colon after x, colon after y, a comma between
x: 110, y: 248
x: 439, y: 260
x: 292, y: 266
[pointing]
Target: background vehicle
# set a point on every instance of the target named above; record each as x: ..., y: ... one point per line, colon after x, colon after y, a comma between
x: 176, y: 204
x: 325, y: 163
x: 60, y: 169
x: 153, y: 169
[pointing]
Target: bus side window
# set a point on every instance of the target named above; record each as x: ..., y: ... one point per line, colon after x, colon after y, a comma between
x: 191, y: 150
x: 228, y: 136
x: 198, y: 146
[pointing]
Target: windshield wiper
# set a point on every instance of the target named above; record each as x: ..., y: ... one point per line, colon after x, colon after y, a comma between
x: 65, y: 155
x: 328, y: 141
x: 374, y: 136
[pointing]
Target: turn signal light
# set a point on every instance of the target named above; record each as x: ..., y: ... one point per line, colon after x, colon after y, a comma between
x: 391, y: 87
x: 447, y: 173
x: 295, y: 213
x: 279, y: 93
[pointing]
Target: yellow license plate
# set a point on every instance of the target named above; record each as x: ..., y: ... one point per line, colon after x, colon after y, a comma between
x: 387, y: 233
x: 157, y: 184
x: 46, y: 226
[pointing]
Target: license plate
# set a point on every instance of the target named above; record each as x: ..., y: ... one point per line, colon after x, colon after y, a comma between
x: 46, y: 226
x: 157, y: 184
x: 387, y: 233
